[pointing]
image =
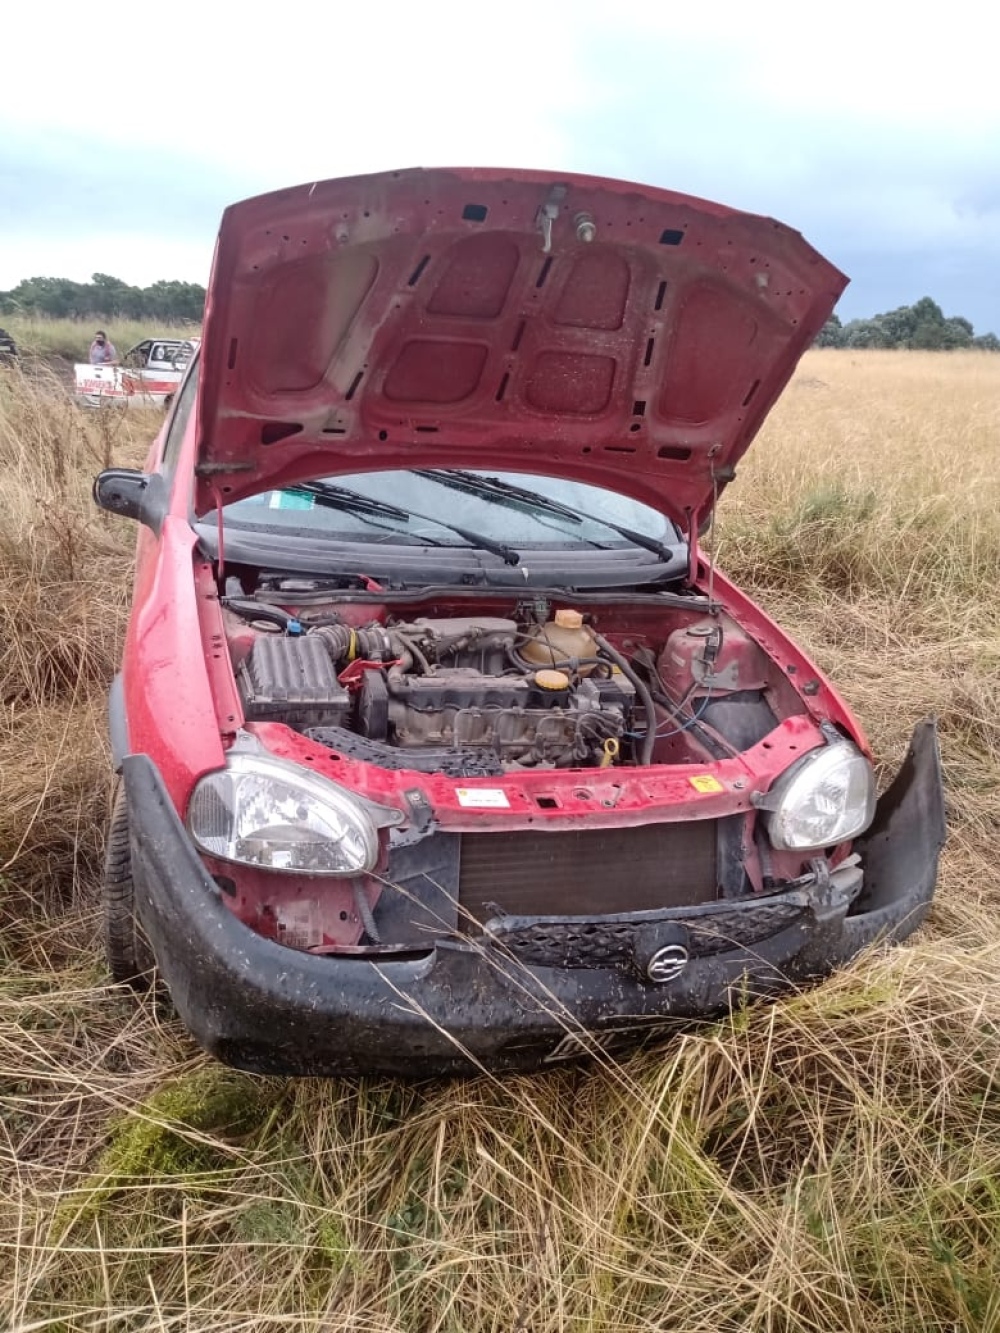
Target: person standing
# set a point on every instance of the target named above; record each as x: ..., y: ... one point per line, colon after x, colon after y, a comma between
x: 102, y: 350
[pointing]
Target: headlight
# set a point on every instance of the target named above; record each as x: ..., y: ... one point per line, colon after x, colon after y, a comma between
x: 263, y: 811
x: 826, y: 798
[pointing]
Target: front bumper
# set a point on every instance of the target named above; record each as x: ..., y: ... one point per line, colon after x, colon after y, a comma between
x: 486, y: 1002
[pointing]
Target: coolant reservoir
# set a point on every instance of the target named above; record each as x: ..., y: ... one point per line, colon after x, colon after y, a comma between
x: 559, y: 640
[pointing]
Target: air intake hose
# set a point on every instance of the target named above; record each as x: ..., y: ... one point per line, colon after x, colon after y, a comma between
x: 344, y: 643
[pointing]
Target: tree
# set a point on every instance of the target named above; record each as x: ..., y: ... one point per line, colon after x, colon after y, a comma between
x: 865, y: 333
x: 105, y: 297
x: 922, y: 326
x: 957, y: 332
x: 831, y: 334
x: 175, y: 300
x: 899, y: 325
x: 47, y: 296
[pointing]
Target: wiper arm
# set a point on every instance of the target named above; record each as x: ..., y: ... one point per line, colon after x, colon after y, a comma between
x: 340, y: 497
x: 506, y: 553
x: 494, y: 486
x: 640, y: 539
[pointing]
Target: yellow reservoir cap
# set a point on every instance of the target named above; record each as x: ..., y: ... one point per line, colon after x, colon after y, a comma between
x: 552, y: 680
x: 568, y: 619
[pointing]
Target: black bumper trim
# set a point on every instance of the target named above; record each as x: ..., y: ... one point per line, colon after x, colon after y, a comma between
x: 472, y: 1004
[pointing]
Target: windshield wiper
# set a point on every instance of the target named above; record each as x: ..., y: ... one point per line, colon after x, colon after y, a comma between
x: 339, y: 497
x: 362, y: 506
x: 497, y: 489
x: 367, y: 508
x: 504, y: 493
x: 501, y: 490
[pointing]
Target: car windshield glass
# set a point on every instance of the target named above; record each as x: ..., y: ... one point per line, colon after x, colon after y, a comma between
x: 517, y: 509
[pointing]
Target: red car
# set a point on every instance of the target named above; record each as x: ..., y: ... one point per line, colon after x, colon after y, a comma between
x: 442, y: 744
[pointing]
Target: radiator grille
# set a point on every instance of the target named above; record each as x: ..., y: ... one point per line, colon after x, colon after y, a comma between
x: 588, y: 872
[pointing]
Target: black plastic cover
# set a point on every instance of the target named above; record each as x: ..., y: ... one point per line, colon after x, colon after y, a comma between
x: 462, y: 762
x: 293, y: 680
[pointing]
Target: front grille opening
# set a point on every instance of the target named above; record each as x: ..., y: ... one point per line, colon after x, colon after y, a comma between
x: 586, y: 872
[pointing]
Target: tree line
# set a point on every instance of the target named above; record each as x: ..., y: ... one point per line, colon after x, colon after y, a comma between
x: 105, y: 298
x: 922, y: 326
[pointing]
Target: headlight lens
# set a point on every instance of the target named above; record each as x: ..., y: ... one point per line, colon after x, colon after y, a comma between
x: 262, y: 811
x: 828, y: 797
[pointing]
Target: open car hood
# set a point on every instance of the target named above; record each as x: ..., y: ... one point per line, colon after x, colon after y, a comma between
x: 612, y: 333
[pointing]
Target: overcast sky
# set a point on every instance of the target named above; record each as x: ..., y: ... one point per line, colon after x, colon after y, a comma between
x: 873, y: 128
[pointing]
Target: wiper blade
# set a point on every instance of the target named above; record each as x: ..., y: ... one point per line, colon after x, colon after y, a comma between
x: 362, y: 506
x: 496, y: 487
x: 506, y: 493
x: 493, y: 486
x: 340, y: 497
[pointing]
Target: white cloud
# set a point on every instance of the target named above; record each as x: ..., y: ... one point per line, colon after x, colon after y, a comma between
x: 294, y: 91
x: 876, y: 63
x: 869, y: 123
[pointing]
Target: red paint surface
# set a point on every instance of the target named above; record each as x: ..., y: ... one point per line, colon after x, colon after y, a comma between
x: 366, y: 318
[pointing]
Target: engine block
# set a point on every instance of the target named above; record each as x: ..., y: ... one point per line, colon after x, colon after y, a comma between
x: 445, y: 685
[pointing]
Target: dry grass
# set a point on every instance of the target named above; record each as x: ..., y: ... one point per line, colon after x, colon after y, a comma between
x: 832, y: 1162
x: 70, y: 339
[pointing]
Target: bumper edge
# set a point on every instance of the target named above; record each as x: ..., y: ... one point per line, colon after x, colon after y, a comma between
x: 261, y: 1006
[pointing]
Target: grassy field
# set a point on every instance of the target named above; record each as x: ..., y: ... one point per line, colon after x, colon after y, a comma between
x: 828, y: 1163
x: 69, y: 339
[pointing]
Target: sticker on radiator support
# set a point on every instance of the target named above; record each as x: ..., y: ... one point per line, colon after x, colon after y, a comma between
x: 482, y: 798
x: 705, y: 782
x: 298, y: 924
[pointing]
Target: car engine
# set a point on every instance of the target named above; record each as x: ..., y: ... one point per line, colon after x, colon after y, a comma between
x: 463, y: 696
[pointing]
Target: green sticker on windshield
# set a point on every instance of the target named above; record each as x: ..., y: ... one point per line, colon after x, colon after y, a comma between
x: 291, y: 500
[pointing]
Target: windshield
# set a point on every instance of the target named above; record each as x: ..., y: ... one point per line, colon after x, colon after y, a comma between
x: 403, y: 507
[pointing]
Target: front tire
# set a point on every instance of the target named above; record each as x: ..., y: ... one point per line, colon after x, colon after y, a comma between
x: 130, y: 959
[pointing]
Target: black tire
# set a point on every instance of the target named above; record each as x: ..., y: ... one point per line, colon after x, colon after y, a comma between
x: 130, y: 959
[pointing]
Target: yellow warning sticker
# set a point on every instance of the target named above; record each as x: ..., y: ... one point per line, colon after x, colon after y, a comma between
x: 705, y: 782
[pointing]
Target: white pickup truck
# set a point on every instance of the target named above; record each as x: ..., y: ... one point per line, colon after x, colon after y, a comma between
x: 149, y: 373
